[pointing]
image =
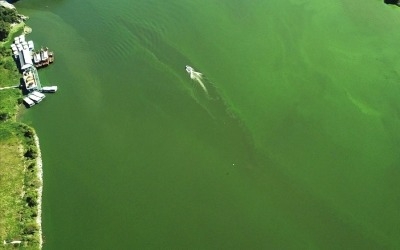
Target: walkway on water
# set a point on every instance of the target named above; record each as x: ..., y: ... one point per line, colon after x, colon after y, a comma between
x: 11, y: 87
x: 37, y: 79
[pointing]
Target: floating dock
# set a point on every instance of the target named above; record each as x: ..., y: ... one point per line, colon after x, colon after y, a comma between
x: 31, y: 79
x: 25, y: 52
x: 30, y: 60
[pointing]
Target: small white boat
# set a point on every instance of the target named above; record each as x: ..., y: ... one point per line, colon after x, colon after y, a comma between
x: 49, y: 89
x: 36, y: 58
x: 38, y: 94
x: 189, y: 69
x: 28, y: 101
x: 44, y: 54
x: 35, y: 98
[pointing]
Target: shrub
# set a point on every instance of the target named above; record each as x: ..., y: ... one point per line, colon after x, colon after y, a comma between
x: 31, y: 153
x: 4, y: 116
x: 30, y: 228
x: 9, y: 65
x: 28, y: 133
x: 31, y: 201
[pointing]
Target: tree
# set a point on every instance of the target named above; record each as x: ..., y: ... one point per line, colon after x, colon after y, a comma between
x: 395, y: 2
x: 7, y: 16
x: 4, y: 29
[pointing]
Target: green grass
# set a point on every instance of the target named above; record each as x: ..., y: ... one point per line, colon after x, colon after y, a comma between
x: 9, y: 100
x: 11, y: 185
x: 9, y: 75
x: 18, y: 169
x: 18, y: 185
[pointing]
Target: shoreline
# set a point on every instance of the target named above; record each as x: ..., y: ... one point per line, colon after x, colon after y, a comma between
x: 29, y: 237
x: 15, y: 28
x: 39, y: 165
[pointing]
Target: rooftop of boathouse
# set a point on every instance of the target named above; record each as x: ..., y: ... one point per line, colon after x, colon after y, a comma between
x: 25, y: 59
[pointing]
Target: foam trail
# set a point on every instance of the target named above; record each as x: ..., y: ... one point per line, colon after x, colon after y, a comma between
x: 197, y: 76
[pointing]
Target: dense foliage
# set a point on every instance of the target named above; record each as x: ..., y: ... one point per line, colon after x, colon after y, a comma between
x: 395, y: 2
x: 7, y: 16
x: 9, y: 76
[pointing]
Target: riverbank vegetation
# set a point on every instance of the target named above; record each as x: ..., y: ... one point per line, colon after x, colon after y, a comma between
x: 18, y: 185
x: 9, y: 75
x: 7, y: 17
x: 19, y: 180
x: 394, y: 2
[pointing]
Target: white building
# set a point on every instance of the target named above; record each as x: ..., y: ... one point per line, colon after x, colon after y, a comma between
x: 25, y: 59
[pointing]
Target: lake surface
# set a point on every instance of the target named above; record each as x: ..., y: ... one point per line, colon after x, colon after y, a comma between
x: 293, y: 144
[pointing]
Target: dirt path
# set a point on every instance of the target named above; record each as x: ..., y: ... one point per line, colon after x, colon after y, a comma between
x: 11, y: 87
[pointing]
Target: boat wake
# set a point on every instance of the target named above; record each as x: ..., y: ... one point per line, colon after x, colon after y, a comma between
x: 196, y: 76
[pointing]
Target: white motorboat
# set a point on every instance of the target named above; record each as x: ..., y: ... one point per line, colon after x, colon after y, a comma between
x: 189, y: 69
x: 49, y: 89
x: 28, y: 101
x: 38, y: 94
x: 35, y: 98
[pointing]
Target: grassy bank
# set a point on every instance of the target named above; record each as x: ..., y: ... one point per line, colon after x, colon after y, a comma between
x: 18, y: 185
x: 9, y: 76
x: 19, y: 181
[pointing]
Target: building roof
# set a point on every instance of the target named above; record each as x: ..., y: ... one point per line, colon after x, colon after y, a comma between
x: 31, y: 78
x: 30, y: 45
x: 25, y: 59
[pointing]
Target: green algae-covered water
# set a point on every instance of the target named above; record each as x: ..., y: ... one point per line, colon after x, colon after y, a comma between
x: 293, y: 144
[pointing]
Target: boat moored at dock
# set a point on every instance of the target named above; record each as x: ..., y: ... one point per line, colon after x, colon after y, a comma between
x: 49, y: 89
x: 43, y: 57
x: 28, y: 102
x: 36, y: 58
x: 35, y: 98
x: 38, y: 94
